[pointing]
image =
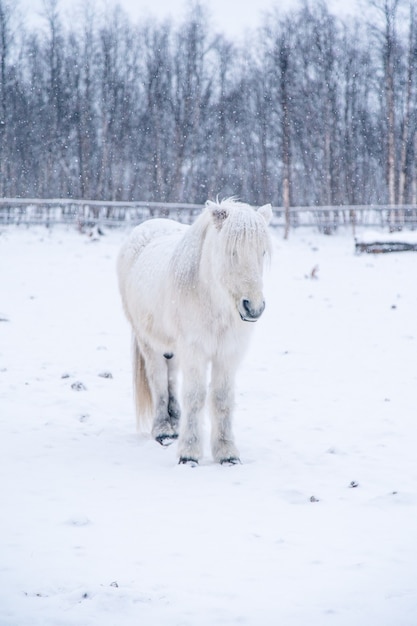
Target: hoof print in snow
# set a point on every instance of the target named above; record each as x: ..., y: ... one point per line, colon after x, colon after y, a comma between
x: 114, y: 584
x: 35, y: 595
x: 353, y: 484
x: 66, y: 375
x: 78, y: 386
x: 106, y: 375
x: 314, y: 499
x: 78, y: 521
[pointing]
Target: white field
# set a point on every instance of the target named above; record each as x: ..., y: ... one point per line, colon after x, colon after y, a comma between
x: 100, y: 527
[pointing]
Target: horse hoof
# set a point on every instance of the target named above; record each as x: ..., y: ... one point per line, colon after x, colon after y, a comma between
x: 184, y: 460
x: 233, y: 460
x: 166, y: 440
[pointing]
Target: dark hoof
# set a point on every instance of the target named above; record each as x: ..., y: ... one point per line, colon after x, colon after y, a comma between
x: 166, y: 440
x: 232, y: 461
x: 184, y: 460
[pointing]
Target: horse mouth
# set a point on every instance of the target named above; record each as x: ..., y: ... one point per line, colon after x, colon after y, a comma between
x: 248, y: 319
x: 248, y: 313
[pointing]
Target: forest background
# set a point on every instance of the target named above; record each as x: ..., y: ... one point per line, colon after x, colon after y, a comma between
x: 309, y: 109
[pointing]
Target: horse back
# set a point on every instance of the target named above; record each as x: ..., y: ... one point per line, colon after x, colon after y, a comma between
x: 141, y: 237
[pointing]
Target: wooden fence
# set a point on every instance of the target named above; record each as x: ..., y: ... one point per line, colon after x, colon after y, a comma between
x: 86, y: 214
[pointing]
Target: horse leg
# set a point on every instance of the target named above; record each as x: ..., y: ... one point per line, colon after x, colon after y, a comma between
x: 193, y: 400
x: 174, y: 410
x: 166, y: 411
x: 221, y: 404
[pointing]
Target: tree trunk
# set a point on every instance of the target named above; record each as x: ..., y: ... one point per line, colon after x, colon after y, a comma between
x: 407, y: 112
x: 284, y: 56
x: 389, y: 75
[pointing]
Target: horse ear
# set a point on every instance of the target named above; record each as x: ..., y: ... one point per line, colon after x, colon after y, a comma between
x: 218, y: 213
x: 266, y: 212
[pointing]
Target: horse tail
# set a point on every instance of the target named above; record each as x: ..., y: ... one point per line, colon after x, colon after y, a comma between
x: 142, y: 390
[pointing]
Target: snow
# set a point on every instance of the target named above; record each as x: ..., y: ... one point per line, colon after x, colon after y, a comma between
x: 317, y: 526
x: 402, y: 236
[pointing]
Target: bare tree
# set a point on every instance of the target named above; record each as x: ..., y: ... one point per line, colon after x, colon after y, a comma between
x: 117, y: 104
x: 406, y: 139
x: 284, y: 55
x: 390, y: 8
x: 191, y: 96
x: 84, y: 55
x: 156, y: 123
x: 387, y: 37
x: 307, y: 111
x: 5, y: 47
x: 217, y: 142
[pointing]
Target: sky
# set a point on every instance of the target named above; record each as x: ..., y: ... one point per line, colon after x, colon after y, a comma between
x: 232, y: 17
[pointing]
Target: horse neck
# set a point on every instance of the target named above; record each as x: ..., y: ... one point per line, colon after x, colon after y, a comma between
x: 187, y: 256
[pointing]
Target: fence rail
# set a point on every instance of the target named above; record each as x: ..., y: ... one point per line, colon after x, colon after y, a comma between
x: 87, y: 213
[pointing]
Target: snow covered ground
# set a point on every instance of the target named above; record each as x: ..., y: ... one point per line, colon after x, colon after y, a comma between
x: 317, y: 527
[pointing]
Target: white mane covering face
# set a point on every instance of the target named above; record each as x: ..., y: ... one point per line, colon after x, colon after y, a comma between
x: 240, y: 228
x: 191, y: 294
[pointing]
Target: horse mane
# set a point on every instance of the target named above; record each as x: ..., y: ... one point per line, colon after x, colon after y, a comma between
x: 185, y: 260
x: 243, y: 228
x: 240, y: 225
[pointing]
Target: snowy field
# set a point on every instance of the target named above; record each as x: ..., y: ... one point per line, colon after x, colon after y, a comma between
x: 100, y: 527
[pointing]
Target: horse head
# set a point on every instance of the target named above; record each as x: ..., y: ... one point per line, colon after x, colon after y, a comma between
x: 240, y: 243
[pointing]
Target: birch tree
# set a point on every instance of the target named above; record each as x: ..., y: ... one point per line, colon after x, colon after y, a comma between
x: 406, y: 170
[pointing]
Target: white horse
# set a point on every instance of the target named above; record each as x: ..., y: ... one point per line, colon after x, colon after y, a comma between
x: 190, y: 293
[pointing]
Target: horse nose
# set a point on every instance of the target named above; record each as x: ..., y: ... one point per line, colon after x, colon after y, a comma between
x: 251, y: 312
